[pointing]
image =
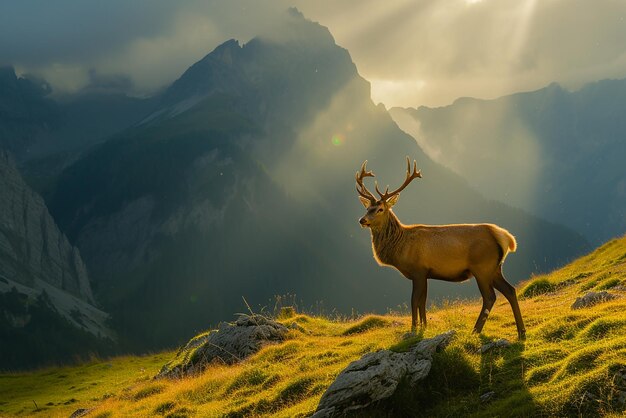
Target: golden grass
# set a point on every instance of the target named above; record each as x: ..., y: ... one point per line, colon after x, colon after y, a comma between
x: 567, y: 353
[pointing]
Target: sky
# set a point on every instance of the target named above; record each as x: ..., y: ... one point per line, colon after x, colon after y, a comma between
x: 414, y: 52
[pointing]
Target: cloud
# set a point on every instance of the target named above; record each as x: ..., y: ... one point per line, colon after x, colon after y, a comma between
x: 414, y: 52
x: 150, y: 42
x: 477, y: 48
x: 40, y: 32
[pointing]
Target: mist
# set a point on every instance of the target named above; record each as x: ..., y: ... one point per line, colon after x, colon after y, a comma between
x: 414, y: 53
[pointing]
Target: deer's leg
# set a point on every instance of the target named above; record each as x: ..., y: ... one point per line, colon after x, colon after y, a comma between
x: 508, y: 291
x: 422, y: 303
x: 489, y: 298
x: 418, y: 294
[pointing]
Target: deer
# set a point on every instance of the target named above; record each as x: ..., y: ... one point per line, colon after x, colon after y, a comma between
x: 453, y: 253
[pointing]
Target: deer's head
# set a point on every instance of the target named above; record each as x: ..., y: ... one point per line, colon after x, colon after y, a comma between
x: 378, y: 209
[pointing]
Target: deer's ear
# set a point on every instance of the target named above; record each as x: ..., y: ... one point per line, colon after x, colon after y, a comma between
x: 393, y: 200
x: 365, y: 202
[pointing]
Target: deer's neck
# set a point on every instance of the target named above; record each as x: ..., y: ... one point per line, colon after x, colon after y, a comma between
x: 387, y: 239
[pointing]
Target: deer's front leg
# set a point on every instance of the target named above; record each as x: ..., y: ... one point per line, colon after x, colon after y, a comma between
x: 418, y: 301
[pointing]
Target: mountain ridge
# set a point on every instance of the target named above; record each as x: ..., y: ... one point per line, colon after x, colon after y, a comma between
x: 537, y: 142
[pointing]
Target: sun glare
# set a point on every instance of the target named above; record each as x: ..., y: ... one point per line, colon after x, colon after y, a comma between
x: 398, y: 92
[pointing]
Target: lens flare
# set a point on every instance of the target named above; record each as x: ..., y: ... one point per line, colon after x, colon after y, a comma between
x: 338, y: 139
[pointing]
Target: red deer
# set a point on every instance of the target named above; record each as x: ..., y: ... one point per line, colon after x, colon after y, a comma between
x: 452, y: 253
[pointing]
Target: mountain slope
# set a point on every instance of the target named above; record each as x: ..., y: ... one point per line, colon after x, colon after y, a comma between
x: 32, y: 246
x: 570, y: 364
x: 43, y: 282
x: 45, y: 134
x: 34, y: 125
x: 240, y: 183
x: 26, y: 114
x: 552, y: 152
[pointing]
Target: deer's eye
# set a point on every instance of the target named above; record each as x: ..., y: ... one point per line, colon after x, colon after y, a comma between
x: 380, y: 210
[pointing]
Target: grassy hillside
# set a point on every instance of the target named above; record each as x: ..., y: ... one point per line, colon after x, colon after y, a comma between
x: 567, y: 353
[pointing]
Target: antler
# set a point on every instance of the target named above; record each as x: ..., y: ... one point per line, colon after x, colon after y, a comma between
x: 360, y: 187
x: 410, y: 176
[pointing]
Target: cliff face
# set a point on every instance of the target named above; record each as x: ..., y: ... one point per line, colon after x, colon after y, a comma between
x: 31, y: 245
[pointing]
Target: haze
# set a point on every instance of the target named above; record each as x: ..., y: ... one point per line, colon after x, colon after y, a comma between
x: 413, y: 52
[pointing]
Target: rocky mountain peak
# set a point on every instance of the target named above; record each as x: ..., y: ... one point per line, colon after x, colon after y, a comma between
x: 292, y: 59
x: 225, y: 51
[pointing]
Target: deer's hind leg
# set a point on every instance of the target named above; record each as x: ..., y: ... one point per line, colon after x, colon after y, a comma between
x: 508, y: 291
x: 489, y: 298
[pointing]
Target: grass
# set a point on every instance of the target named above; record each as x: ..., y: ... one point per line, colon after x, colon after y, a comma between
x: 567, y: 357
x: 537, y: 287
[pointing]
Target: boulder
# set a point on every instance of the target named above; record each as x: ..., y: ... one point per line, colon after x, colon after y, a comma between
x: 81, y: 412
x: 592, y: 298
x: 376, y: 376
x: 229, y: 344
x: 501, y: 343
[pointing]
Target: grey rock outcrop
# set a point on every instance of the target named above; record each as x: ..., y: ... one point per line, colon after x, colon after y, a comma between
x: 81, y: 412
x: 501, y: 343
x: 31, y: 245
x: 230, y: 343
x: 592, y: 298
x: 375, y: 376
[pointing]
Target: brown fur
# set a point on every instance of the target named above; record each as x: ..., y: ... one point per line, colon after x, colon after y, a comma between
x: 442, y: 252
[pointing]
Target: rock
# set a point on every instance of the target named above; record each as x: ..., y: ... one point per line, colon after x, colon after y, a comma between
x: 31, y: 245
x: 487, y: 397
x: 230, y: 343
x: 37, y: 260
x: 501, y: 343
x: 592, y: 298
x: 375, y: 376
x: 81, y: 412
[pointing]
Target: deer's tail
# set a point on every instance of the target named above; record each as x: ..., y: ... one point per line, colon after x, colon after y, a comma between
x: 505, y: 240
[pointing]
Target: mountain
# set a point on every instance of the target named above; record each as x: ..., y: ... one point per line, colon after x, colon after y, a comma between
x: 45, y: 133
x: 46, y: 301
x: 572, y: 363
x: 555, y: 153
x: 26, y: 114
x: 240, y: 182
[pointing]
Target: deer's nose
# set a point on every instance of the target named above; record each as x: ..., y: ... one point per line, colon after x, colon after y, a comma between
x: 362, y: 221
